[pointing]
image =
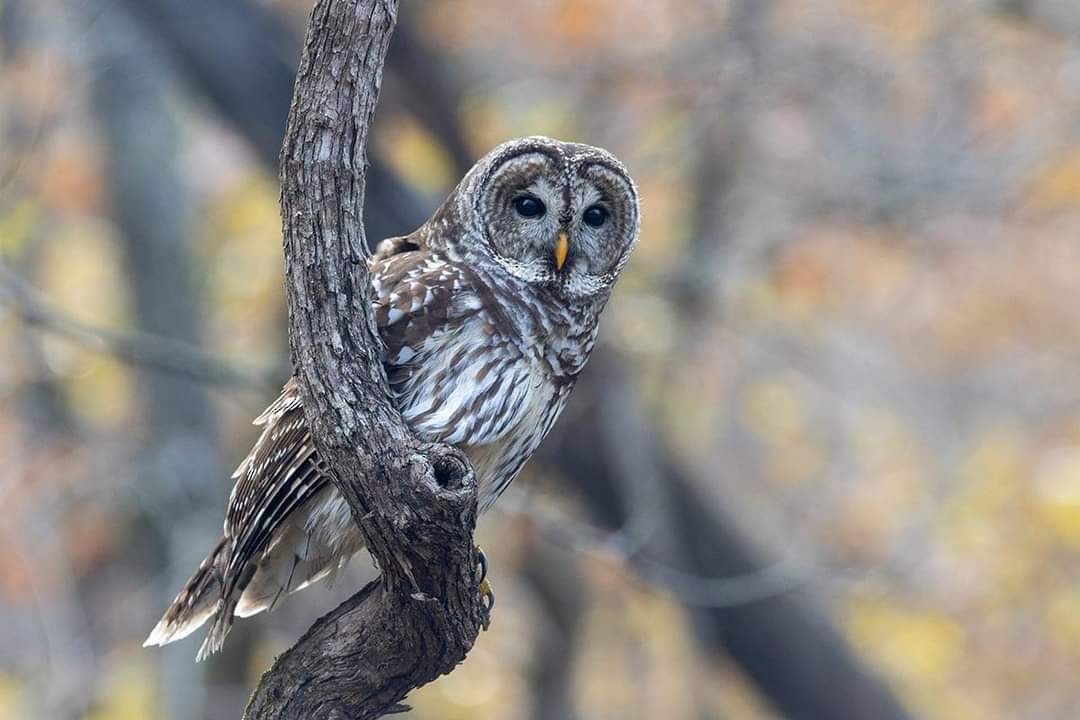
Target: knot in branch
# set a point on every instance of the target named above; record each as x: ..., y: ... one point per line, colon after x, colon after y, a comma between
x: 450, y: 468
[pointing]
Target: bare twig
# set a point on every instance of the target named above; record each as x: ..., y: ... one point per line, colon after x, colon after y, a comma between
x: 415, y: 502
x: 141, y: 349
x: 689, y: 588
x: 754, y: 611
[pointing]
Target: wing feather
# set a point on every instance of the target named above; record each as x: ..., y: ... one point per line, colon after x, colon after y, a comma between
x: 414, y: 302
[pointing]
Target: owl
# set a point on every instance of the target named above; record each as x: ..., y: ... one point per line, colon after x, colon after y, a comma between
x: 487, y: 314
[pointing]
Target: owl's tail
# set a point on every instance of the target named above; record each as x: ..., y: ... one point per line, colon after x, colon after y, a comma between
x: 199, y: 599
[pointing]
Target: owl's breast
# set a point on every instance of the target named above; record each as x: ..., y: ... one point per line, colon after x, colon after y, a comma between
x: 474, y: 389
x: 472, y: 360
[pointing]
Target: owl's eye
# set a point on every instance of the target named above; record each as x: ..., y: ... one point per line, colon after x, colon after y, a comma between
x: 528, y: 206
x: 595, y: 216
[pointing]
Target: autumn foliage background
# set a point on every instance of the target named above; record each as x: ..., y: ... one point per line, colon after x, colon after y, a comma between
x: 853, y: 318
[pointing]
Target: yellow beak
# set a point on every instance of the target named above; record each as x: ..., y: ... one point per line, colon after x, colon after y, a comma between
x: 562, y: 248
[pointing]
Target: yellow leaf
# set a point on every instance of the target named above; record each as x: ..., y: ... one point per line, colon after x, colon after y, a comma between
x: 1063, y: 619
x: 1056, y: 186
x: 127, y: 692
x: 920, y: 644
x: 1057, y: 486
x: 16, y: 225
x: 11, y: 698
x: 775, y: 412
x: 416, y: 155
x: 773, y: 409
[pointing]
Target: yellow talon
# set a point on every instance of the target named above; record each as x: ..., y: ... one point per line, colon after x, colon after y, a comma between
x: 487, y: 593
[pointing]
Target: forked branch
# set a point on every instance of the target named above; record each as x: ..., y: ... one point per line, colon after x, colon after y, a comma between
x: 414, y: 501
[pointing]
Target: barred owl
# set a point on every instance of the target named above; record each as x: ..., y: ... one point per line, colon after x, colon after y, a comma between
x: 488, y: 313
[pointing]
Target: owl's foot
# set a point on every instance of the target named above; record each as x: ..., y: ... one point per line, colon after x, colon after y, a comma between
x: 487, y: 593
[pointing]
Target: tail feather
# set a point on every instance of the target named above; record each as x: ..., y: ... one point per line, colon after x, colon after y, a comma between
x: 196, y: 603
x: 313, y: 542
x: 219, y: 628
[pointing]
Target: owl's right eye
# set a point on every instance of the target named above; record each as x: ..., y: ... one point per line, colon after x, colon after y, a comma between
x: 528, y: 206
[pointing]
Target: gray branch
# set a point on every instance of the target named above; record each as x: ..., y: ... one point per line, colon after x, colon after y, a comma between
x: 415, y: 502
x: 139, y: 349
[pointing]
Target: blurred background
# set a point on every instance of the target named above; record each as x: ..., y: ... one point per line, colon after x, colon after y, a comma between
x: 825, y: 464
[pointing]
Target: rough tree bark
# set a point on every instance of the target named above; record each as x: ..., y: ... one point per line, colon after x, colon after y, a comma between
x: 414, y: 501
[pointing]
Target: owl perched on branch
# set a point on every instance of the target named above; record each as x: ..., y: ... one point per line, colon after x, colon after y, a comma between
x: 488, y: 313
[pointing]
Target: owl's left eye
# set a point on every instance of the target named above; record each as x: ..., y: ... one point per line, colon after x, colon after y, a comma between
x: 528, y: 206
x: 594, y: 216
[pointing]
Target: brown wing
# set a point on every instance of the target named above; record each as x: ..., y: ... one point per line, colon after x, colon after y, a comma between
x: 283, y: 469
x: 280, y: 473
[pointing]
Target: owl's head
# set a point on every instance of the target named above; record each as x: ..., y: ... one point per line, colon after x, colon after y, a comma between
x: 560, y: 215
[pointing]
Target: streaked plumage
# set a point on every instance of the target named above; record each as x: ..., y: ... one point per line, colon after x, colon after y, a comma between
x: 486, y: 322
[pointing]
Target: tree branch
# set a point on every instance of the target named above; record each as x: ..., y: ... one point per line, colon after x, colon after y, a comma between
x: 136, y: 348
x: 415, y: 502
x: 759, y: 614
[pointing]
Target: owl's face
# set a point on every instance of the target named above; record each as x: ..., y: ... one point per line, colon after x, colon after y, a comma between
x: 559, y: 215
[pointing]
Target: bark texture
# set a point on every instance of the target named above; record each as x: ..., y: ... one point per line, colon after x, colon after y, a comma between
x: 414, y: 501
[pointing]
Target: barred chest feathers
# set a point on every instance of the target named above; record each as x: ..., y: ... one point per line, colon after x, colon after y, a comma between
x: 491, y: 379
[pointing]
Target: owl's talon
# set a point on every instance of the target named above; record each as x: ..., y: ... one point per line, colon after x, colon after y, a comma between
x: 487, y: 594
x: 487, y: 597
x: 482, y: 564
